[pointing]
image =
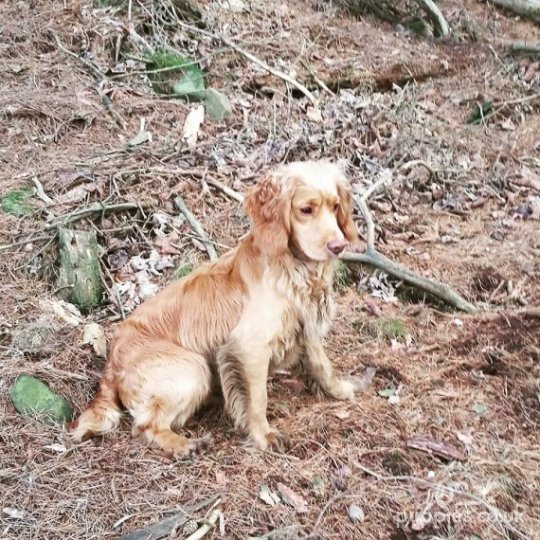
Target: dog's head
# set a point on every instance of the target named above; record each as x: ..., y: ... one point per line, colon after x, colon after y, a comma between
x: 305, y: 208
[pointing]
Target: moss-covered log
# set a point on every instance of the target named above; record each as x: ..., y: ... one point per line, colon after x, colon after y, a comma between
x: 79, y: 280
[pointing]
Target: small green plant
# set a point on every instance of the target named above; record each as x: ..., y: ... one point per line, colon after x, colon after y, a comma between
x: 343, y: 276
x: 480, y: 113
x: 16, y: 202
x: 183, y: 270
x: 386, y: 327
x: 175, y: 75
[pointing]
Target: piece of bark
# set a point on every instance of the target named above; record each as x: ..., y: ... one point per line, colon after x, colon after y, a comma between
x: 437, y: 448
x: 79, y: 280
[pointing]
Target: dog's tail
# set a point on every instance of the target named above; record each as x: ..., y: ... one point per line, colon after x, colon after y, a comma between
x: 103, y: 414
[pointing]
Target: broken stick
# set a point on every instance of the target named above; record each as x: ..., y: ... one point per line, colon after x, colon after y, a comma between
x: 197, y: 227
x: 372, y: 257
x: 96, y: 209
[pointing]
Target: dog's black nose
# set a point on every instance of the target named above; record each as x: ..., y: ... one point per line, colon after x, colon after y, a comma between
x: 336, y: 246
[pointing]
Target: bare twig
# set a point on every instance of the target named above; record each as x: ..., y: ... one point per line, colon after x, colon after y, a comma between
x: 197, y: 227
x: 97, y: 208
x: 226, y: 189
x: 373, y: 258
x: 109, y: 107
x: 24, y: 242
x: 207, y: 525
x: 40, y: 192
x: 436, y: 16
x: 253, y: 58
x: 495, y: 512
x: 415, y: 162
x: 90, y: 65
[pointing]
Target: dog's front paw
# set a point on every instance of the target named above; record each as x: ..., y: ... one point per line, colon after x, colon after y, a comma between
x: 343, y: 390
x: 278, y: 441
x: 273, y: 439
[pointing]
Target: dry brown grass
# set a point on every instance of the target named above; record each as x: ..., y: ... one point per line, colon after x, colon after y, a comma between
x: 53, y: 121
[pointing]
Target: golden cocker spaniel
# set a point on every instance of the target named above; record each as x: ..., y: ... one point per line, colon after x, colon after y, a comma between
x: 265, y: 304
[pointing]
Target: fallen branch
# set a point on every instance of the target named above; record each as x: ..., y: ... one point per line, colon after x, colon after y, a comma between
x: 373, y: 258
x: 97, y: 208
x: 494, y: 511
x: 163, y: 528
x: 252, y: 57
x: 526, y: 8
x: 24, y: 242
x: 524, y: 48
x: 437, y: 18
x: 197, y: 227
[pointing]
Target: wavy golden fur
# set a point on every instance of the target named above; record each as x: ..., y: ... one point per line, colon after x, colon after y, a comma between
x: 266, y: 304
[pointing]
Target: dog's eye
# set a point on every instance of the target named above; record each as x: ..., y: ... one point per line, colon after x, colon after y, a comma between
x: 306, y: 210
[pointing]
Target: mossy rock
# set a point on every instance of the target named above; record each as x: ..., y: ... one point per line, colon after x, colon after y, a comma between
x: 33, y: 398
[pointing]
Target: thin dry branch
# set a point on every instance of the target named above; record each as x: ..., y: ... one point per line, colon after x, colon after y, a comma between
x: 253, y: 58
x: 373, y: 258
x: 97, y: 208
x: 436, y: 16
x: 197, y: 227
x: 226, y: 190
x: 208, y: 524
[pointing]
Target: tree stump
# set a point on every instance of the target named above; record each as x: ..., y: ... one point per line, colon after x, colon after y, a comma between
x: 79, y: 280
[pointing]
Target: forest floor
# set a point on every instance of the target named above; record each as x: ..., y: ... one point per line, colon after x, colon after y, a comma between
x: 385, y: 96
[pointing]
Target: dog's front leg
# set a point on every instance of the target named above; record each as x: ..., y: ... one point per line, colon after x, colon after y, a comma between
x: 243, y: 374
x: 318, y: 369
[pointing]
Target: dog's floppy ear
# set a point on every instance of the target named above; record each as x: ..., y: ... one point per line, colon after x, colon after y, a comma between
x: 345, y: 211
x: 268, y: 206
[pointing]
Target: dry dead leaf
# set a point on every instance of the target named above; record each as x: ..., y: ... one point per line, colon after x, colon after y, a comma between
x: 437, y: 448
x: 362, y: 384
x: 64, y: 311
x: 528, y: 178
x: 314, y: 114
x: 293, y: 499
x: 341, y: 478
x: 164, y: 244
x: 192, y: 125
x: 465, y: 437
x: 342, y: 415
x: 94, y: 335
x: 268, y: 496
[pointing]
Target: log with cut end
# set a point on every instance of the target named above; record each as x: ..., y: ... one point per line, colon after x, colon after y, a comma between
x: 79, y: 280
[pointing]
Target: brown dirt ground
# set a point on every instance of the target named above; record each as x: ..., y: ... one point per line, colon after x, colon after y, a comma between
x: 472, y: 381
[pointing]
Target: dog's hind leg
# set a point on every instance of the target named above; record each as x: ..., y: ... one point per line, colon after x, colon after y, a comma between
x: 170, y: 387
